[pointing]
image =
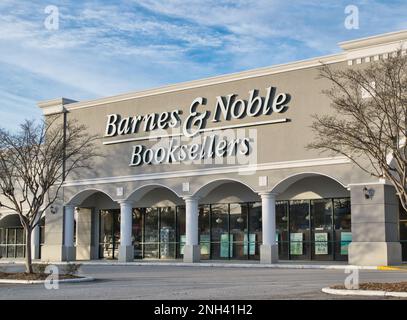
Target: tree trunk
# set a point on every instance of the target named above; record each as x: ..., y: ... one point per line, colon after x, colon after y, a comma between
x: 28, y: 254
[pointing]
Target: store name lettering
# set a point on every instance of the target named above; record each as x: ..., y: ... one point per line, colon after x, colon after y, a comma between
x: 227, y: 108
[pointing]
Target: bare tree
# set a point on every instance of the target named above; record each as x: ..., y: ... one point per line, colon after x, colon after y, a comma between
x: 33, y: 165
x: 369, y: 121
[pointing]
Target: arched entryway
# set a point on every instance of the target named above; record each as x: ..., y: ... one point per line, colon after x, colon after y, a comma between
x: 158, y: 222
x: 229, y: 221
x: 313, y: 218
x: 82, y: 225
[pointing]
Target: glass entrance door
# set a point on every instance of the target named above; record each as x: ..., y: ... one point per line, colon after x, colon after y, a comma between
x: 109, y: 235
x: 322, y: 229
x: 300, y: 226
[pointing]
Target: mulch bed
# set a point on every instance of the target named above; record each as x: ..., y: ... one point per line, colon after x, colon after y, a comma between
x: 389, y: 287
x: 33, y: 276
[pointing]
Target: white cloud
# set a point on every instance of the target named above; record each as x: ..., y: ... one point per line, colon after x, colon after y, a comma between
x: 103, y: 49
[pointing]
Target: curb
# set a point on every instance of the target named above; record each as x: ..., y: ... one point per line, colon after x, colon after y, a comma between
x: 227, y: 265
x: 221, y: 265
x: 391, y: 268
x: 367, y: 293
x: 78, y: 280
x: 213, y: 265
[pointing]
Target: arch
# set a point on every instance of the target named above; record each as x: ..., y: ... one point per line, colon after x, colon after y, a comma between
x: 141, y: 191
x: 11, y: 220
x: 210, y: 186
x: 81, y: 196
x: 285, y: 183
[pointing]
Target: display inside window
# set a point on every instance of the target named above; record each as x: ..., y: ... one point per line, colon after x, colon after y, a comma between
x: 296, y: 243
x: 226, y: 245
x: 109, y: 233
x: 204, y: 226
x: 205, y: 242
x: 321, y: 243
x: 305, y: 229
x: 346, y: 239
x: 167, y: 233
x: 249, y: 246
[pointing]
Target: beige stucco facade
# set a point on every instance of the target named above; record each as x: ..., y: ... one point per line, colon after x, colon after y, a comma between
x: 278, y: 167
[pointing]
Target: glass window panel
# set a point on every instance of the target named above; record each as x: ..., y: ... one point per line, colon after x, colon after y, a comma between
x: 11, y: 236
x: 151, y: 225
x: 238, y: 230
x: 151, y: 250
x: 151, y: 236
x: 321, y: 214
x: 204, y: 231
x: 403, y: 239
x: 42, y: 235
x: 342, y: 221
x: 19, y: 251
x: 11, y: 251
x: 181, y: 231
x: 402, y: 212
x: 403, y: 230
x: 255, y: 230
x: 106, y: 234
x: 282, y: 229
x: 299, y: 230
x: 342, y: 214
x: 20, y: 236
x: 167, y: 233
x: 42, y: 231
x: 3, y: 251
x: 322, y: 242
x: 221, y: 245
x: 2, y: 236
x: 138, y: 232
x: 116, y: 232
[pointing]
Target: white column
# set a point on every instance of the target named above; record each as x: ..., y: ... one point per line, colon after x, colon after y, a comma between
x: 35, y: 242
x: 126, y: 250
x: 269, y: 248
x: 192, y: 249
x: 69, y: 222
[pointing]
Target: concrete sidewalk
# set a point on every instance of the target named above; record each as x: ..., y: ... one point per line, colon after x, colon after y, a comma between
x: 225, y: 264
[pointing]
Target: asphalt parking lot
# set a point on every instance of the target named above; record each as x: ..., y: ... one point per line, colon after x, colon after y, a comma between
x: 176, y: 282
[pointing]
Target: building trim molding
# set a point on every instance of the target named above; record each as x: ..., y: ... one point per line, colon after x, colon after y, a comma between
x: 353, y: 49
x: 254, y: 73
x: 213, y: 171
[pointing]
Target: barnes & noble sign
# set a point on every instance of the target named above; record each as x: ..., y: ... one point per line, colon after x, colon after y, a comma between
x: 227, y: 108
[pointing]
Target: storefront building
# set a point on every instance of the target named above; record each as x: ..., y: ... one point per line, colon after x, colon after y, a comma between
x: 219, y: 169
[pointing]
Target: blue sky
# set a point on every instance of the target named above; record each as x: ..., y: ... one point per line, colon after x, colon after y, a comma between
x: 104, y: 48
